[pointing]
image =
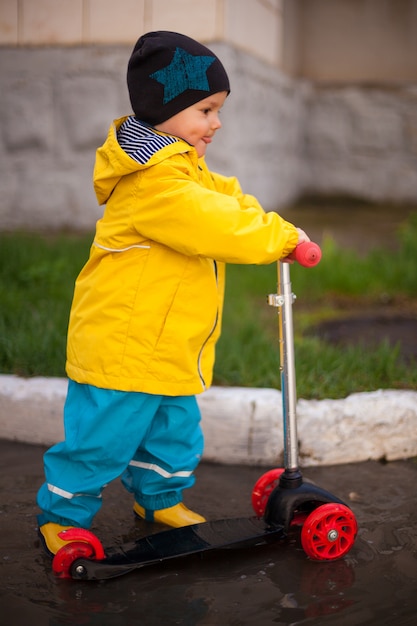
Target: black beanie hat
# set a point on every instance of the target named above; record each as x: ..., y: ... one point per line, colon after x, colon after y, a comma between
x: 168, y: 72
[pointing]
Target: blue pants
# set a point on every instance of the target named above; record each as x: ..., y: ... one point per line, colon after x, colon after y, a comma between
x: 153, y: 442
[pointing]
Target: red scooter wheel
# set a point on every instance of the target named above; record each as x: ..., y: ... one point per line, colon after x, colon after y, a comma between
x: 263, y: 488
x: 82, y: 544
x: 65, y: 557
x: 329, y: 532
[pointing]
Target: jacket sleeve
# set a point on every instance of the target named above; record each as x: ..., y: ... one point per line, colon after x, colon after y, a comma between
x: 210, y: 218
x: 230, y: 186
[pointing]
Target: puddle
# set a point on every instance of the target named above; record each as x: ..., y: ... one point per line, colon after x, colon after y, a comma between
x: 374, y: 585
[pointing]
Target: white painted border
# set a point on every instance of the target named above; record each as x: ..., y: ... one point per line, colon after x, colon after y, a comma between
x: 244, y: 425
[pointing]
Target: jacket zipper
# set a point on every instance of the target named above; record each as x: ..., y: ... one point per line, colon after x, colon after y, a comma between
x: 200, y: 354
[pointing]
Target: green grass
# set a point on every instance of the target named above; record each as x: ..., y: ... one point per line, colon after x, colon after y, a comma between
x: 248, y: 351
x: 37, y: 276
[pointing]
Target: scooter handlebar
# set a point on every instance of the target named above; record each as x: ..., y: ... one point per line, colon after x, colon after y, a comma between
x: 306, y: 254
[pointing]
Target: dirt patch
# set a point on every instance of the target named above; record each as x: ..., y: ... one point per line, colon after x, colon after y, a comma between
x: 370, y: 331
x: 364, y: 322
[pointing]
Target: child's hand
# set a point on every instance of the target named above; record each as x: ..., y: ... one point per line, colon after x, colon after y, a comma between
x: 302, y: 236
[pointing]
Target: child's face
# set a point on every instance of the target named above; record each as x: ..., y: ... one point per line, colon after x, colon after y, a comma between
x: 198, y: 123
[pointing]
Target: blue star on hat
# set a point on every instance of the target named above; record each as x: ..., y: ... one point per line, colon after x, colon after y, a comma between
x: 185, y: 71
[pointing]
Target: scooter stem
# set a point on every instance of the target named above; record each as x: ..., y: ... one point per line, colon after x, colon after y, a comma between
x: 307, y: 254
x: 287, y: 367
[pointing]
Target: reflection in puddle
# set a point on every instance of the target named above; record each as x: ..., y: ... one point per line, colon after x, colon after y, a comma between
x: 267, y: 585
x: 222, y: 588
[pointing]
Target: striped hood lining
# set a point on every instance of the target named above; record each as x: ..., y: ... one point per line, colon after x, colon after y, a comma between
x: 140, y: 141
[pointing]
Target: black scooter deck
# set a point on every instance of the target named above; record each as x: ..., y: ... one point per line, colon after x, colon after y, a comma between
x: 175, y: 543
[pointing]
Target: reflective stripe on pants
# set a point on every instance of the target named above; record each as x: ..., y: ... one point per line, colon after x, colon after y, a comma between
x: 153, y: 442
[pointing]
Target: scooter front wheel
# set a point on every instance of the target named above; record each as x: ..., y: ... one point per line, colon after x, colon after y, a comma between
x: 263, y: 488
x: 329, y: 532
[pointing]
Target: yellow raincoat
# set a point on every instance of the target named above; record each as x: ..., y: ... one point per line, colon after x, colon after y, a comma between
x: 147, y: 305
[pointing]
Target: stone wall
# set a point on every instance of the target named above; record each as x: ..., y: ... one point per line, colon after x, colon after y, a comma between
x: 54, y: 112
x: 58, y: 103
x: 362, y: 141
x: 282, y: 137
x: 254, y: 26
x: 351, y: 41
x: 323, y: 98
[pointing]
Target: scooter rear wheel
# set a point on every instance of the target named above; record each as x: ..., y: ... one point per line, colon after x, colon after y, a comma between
x: 263, y: 488
x: 65, y: 557
x: 81, y: 544
x: 329, y: 532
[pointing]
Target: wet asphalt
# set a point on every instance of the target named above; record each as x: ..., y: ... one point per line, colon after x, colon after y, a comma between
x: 375, y: 584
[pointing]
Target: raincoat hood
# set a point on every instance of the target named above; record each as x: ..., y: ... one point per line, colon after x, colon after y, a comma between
x: 113, y: 161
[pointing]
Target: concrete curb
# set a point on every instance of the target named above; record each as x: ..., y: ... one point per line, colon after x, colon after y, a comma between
x: 244, y: 425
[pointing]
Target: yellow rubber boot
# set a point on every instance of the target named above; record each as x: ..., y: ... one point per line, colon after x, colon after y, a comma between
x: 175, y: 516
x: 49, y: 533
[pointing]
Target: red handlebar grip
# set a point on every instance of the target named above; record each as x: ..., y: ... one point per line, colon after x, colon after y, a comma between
x: 307, y: 254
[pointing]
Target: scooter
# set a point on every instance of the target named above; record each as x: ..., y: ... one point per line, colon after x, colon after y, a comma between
x: 281, y: 498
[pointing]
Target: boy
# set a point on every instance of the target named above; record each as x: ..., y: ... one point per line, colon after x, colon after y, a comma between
x: 147, y: 306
